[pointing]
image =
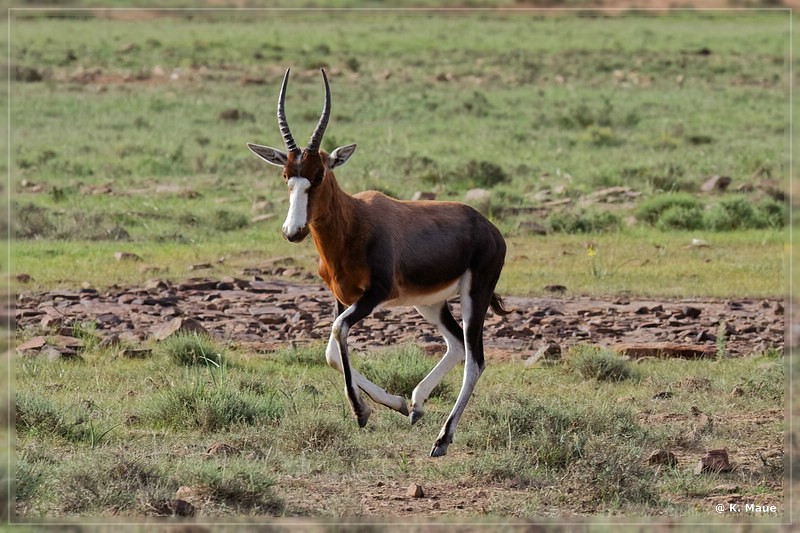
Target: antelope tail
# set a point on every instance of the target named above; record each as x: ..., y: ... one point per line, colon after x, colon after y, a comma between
x: 497, y: 305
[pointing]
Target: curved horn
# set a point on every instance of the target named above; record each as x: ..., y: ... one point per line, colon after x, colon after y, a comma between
x: 316, y: 137
x: 288, y: 140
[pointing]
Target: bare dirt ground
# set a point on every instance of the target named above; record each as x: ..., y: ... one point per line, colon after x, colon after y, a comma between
x: 264, y: 315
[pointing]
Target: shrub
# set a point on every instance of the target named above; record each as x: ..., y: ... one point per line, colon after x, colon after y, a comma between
x: 775, y: 213
x: 236, y: 485
x: 732, y: 214
x: 609, y: 471
x: 316, y: 432
x: 190, y: 349
x: 483, y: 174
x: 224, y: 220
x: 32, y: 222
x: 679, y: 217
x: 594, y: 362
x: 77, y: 423
x: 583, y: 221
x: 211, y: 408
x: 651, y: 210
x: 551, y: 432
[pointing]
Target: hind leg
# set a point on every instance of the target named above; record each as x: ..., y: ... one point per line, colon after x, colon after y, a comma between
x: 475, y: 301
x: 439, y: 315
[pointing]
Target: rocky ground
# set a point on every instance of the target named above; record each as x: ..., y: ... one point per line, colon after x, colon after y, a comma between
x: 264, y: 315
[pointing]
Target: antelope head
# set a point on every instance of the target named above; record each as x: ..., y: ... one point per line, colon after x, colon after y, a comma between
x: 304, y: 170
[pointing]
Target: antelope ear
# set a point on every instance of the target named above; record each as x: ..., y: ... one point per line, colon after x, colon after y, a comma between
x: 340, y: 156
x: 270, y: 155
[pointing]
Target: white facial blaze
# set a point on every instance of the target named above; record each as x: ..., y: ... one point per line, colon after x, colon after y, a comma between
x: 296, y: 219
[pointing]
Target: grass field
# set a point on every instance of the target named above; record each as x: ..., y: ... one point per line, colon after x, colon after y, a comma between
x: 128, y: 134
x: 109, y: 149
x: 574, y: 448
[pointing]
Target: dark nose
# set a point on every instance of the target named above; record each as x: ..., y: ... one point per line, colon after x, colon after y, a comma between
x: 294, y: 237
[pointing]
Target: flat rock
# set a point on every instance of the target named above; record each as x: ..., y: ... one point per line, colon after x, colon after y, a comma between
x: 176, y: 325
x: 35, y: 343
x: 716, y: 183
x: 714, y: 461
x: 665, y: 349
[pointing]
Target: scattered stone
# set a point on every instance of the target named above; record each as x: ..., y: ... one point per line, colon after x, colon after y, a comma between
x: 176, y: 325
x: 201, y: 266
x: 156, y: 285
x: 54, y: 353
x: 716, y: 183
x: 692, y: 312
x: 50, y: 322
x: 549, y: 353
x: 415, y: 491
x: 663, y: 395
x: 698, y: 243
x: 256, y: 314
x: 665, y: 349
x: 127, y: 256
x: 737, y: 391
x: 480, y: 199
x: 714, y: 461
x: 23, y: 278
x: 35, y: 343
x: 110, y: 341
x: 663, y: 457
x: 66, y: 341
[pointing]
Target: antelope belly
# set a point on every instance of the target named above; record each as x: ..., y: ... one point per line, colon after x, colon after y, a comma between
x: 419, y: 296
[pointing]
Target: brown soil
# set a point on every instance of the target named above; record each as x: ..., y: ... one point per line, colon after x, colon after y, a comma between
x: 265, y: 315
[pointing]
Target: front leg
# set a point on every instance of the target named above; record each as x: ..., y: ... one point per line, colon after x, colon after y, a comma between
x: 370, y: 299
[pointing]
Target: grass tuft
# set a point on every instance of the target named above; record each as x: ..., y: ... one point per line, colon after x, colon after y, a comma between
x: 399, y: 369
x: 595, y: 362
x: 211, y: 408
x: 191, y: 349
x: 318, y: 431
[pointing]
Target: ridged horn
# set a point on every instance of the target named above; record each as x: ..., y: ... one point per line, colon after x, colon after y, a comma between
x: 316, y: 137
x: 288, y: 140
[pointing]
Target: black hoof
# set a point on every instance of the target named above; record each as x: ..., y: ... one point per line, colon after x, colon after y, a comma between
x: 415, y: 416
x: 362, y: 420
x: 439, y: 450
x: 404, y: 409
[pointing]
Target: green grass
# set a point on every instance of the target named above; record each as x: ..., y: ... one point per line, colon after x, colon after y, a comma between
x: 572, y: 104
x: 578, y: 443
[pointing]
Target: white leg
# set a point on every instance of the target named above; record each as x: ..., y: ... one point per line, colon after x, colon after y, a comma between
x: 454, y: 354
x: 472, y: 320
x: 378, y: 395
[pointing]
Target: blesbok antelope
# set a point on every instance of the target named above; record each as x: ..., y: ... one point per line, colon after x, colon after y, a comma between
x: 374, y: 250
